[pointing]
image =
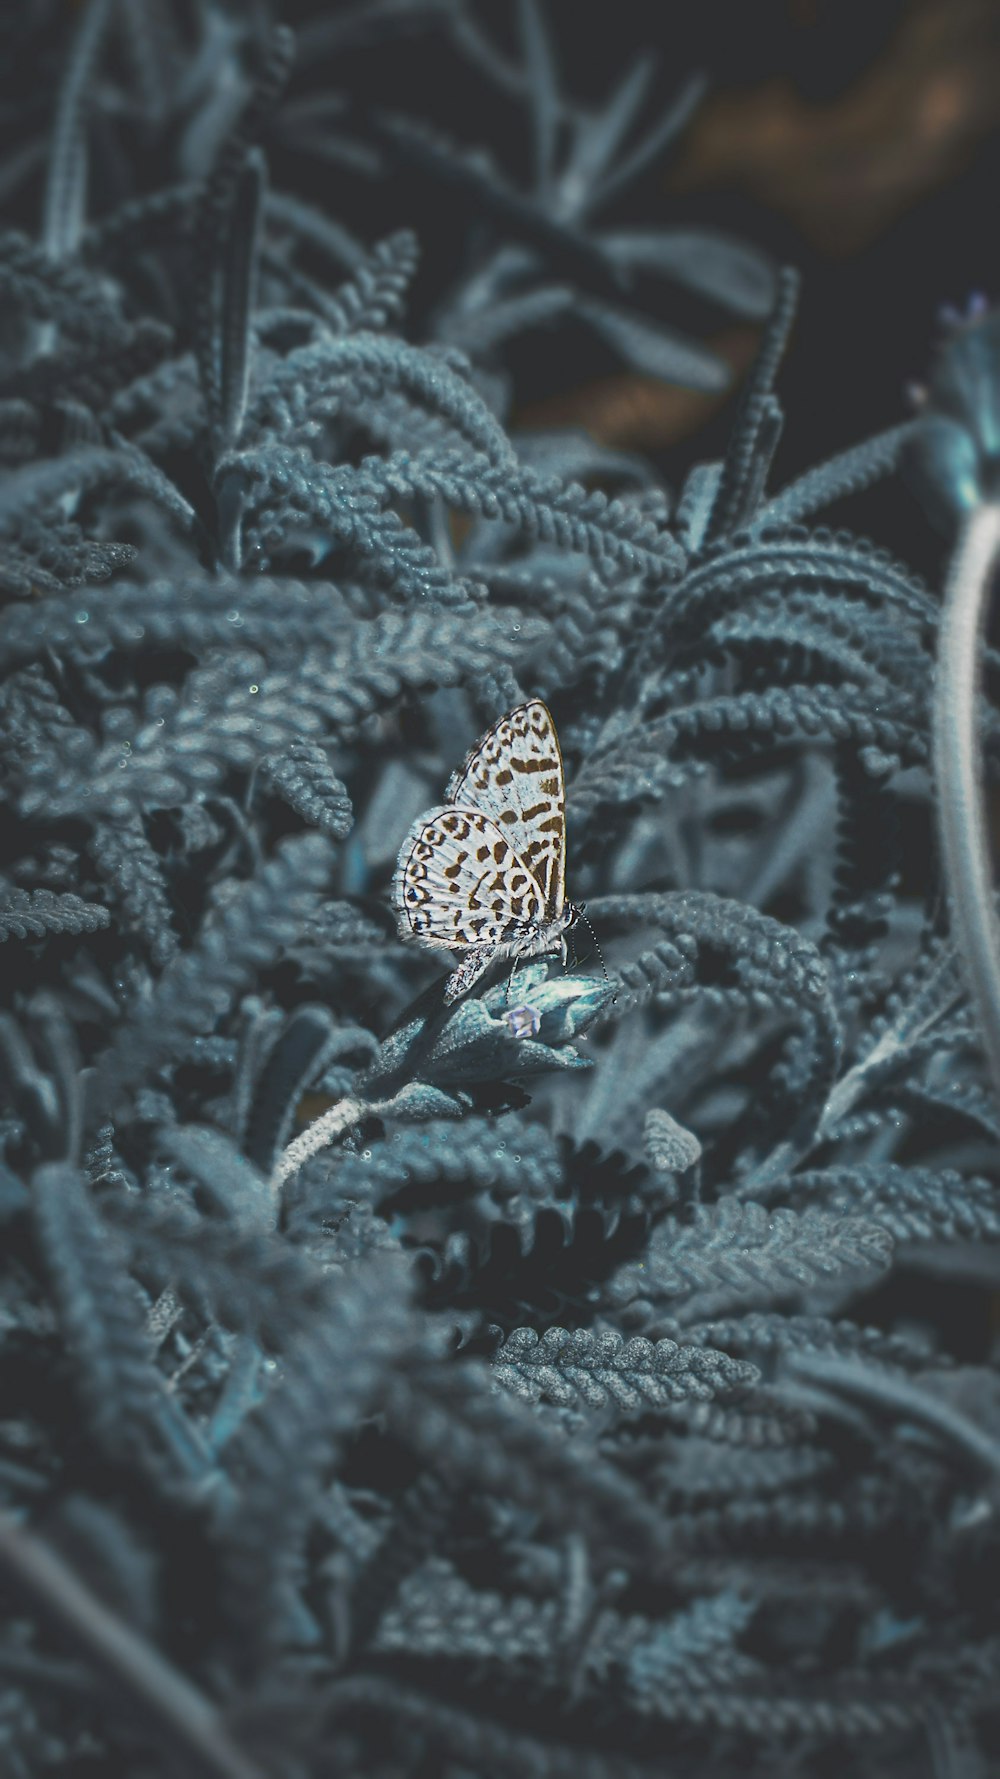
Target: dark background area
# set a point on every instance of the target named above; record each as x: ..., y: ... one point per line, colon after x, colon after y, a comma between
x: 860, y: 142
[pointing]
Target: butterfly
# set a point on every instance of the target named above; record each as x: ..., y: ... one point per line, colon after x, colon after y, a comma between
x: 484, y: 874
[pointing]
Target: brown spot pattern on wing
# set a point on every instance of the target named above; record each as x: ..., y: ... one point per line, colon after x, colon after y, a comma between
x: 515, y: 776
x: 460, y: 883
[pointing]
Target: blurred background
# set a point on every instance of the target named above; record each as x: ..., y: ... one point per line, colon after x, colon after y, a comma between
x: 858, y: 139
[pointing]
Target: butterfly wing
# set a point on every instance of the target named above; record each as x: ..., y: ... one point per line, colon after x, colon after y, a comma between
x: 459, y: 882
x: 515, y: 777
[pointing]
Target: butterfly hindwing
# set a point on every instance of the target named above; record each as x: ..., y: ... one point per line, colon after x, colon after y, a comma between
x: 459, y: 882
x: 515, y: 777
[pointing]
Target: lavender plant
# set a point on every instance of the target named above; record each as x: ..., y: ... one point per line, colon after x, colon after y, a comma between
x: 555, y: 1380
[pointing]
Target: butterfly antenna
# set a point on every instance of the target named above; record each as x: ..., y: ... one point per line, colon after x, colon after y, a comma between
x: 578, y: 911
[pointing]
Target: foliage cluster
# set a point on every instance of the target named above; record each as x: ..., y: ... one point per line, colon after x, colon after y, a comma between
x: 589, y: 1403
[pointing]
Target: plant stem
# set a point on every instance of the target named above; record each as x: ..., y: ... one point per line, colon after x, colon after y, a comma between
x: 884, y: 1390
x: 136, y: 1670
x: 960, y: 800
x: 316, y: 1136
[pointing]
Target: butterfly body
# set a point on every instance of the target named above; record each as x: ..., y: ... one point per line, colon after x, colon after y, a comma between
x: 484, y: 874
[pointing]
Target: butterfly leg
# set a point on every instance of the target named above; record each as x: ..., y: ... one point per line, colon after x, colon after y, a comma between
x: 472, y: 966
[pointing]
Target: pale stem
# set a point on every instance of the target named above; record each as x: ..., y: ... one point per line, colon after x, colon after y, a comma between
x: 316, y: 1136
x: 135, y: 1670
x: 961, y: 801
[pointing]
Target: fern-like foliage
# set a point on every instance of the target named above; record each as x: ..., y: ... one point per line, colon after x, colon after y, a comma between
x: 31, y: 914
x: 595, y: 1368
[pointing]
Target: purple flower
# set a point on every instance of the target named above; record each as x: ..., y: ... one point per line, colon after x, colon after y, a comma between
x: 524, y: 1022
